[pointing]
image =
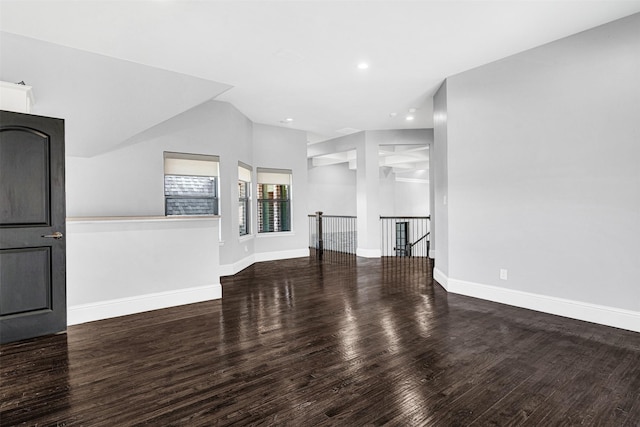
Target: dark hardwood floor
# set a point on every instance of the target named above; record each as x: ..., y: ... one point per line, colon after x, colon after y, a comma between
x: 345, y: 342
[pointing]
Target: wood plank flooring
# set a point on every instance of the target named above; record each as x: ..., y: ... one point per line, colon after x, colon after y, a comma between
x: 342, y: 342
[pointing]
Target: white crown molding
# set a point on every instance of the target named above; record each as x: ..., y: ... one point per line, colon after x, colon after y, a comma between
x: 16, y: 97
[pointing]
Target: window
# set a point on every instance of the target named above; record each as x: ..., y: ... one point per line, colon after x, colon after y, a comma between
x: 190, y: 184
x: 274, y: 200
x: 244, y: 198
x: 402, y: 231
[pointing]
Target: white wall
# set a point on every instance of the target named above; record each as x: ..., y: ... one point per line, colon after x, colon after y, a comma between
x: 544, y: 176
x: 439, y: 173
x: 401, y: 198
x: 123, y: 266
x: 104, y: 100
x: 370, y: 191
x: 281, y: 148
x: 128, y: 181
x: 332, y: 189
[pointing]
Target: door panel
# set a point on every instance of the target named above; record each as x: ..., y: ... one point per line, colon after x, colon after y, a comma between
x: 31, y: 268
x: 24, y: 158
x: 32, y: 210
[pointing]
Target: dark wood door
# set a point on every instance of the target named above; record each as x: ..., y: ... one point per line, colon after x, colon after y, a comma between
x: 32, y: 226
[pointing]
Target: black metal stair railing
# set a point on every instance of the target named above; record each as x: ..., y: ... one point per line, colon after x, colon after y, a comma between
x: 402, y: 236
x: 407, y: 236
x: 335, y: 233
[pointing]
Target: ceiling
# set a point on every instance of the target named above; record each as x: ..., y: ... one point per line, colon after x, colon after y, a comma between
x: 408, y: 163
x: 275, y: 60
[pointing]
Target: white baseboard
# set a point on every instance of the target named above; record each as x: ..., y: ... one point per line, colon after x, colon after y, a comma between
x: 273, y: 256
x: 368, y: 253
x: 123, y: 306
x: 441, y: 278
x: 603, y: 315
x: 236, y: 267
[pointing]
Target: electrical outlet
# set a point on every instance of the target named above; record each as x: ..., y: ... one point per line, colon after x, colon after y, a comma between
x: 503, y: 274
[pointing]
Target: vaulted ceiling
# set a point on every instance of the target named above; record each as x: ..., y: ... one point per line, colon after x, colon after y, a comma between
x: 134, y: 64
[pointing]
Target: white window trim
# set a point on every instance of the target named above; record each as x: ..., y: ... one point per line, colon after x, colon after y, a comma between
x: 276, y: 234
x: 250, y: 221
x: 246, y: 237
x: 190, y: 164
x: 268, y: 171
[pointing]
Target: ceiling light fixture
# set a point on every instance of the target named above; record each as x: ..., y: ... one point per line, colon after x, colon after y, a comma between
x: 363, y: 66
x: 287, y: 120
x: 409, y: 118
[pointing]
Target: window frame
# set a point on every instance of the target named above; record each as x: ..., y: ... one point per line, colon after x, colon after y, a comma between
x: 272, y: 173
x: 192, y: 165
x: 215, y: 197
x: 245, y: 171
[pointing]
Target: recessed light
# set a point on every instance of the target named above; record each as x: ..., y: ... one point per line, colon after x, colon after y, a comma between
x: 412, y: 110
x: 409, y: 118
x: 287, y: 120
x: 393, y: 114
x: 363, y: 66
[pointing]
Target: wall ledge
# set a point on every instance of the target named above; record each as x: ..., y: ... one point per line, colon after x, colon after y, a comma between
x: 594, y: 313
x: 107, y: 219
x: 272, y: 234
x: 90, y: 312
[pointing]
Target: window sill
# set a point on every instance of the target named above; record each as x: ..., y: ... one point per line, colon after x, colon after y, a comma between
x: 276, y: 234
x: 245, y: 237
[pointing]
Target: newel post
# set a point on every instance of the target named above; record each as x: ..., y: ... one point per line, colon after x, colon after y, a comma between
x: 320, y: 247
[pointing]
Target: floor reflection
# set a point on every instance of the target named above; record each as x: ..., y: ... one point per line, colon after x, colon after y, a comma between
x: 324, y: 342
x: 23, y: 365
